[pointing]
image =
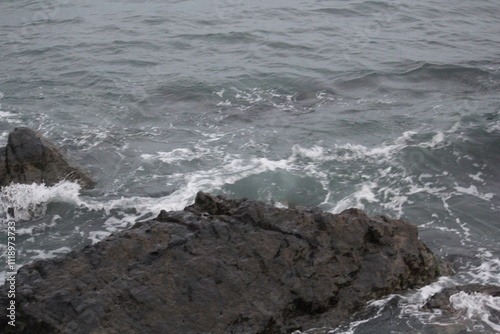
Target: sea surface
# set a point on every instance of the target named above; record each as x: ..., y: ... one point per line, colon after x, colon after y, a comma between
x: 389, y: 106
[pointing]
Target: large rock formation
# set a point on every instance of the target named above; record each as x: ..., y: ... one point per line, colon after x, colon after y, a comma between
x: 30, y: 158
x: 224, y: 266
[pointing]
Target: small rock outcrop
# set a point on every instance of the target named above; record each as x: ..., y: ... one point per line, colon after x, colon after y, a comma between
x: 224, y: 266
x: 441, y: 300
x: 30, y: 158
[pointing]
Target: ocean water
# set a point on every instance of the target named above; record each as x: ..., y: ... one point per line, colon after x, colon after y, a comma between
x: 388, y: 106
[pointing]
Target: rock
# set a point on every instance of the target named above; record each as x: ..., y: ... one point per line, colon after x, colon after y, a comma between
x: 224, y: 266
x: 30, y: 158
x: 441, y: 300
x: 471, y: 306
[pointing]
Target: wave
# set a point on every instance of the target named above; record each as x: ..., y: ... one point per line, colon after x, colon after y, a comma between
x: 29, y: 201
x: 341, y: 12
x: 427, y: 78
x: 225, y: 38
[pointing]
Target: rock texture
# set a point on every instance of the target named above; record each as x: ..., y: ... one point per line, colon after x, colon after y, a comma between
x: 224, y: 266
x: 30, y: 158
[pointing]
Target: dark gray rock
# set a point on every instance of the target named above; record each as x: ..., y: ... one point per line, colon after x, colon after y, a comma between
x: 224, y: 266
x: 30, y: 158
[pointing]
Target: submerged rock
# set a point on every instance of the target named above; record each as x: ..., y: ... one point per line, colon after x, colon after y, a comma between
x: 442, y: 301
x: 224, y: 266
x: 29, y: 158
x: 476, y: 304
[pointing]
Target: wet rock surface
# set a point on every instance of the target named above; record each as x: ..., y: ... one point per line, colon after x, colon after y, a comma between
x: 224, y: 266
x: 29, y: 158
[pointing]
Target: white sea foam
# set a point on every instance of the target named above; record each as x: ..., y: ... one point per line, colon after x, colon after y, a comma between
x: 472, y: 190
x: 398, y: 182
x: 9, y: 117
x: 244, y: 99
x: 3, y: 136
x: 465, y: 229
x: 30, y: 200
x: 410, y: 305
x: 477, y: 177
x: 220, y: 93
x: 397, y: 204
x: 378, y: 305
x: 488, y: 272
x: 116, y: 224
x: 476, y: 311
x: 493, y: 127
x: 176, y: 155
x: 477, y: 306
x: 387, y: 152
x: 89, y: 138
x: 41, y: 254
x: 96, y: 236
x: 391, y: 185
x: 5, y: 114
x: 364, y: 193
x: 314, y: 153
x: 415, y: 301
x: 438, y: 140
x: 21, y: 230
x: 232, y: 169
x: 225, y: 103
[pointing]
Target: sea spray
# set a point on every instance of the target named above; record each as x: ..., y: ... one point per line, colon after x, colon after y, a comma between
x: 29, y: 201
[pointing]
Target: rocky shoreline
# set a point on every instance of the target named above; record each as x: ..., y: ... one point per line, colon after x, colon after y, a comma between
x: 224, y: 266
x: 220, y: 265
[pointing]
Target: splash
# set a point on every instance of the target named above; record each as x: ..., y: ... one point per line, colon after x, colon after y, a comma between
x: 477, y: 306
x: 29, y: 201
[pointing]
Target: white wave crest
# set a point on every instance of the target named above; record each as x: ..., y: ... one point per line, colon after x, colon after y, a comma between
x: 477, y: 306
x: 29, y: 201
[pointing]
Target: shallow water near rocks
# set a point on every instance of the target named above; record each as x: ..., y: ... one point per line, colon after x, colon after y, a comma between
x: 388, y: 106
